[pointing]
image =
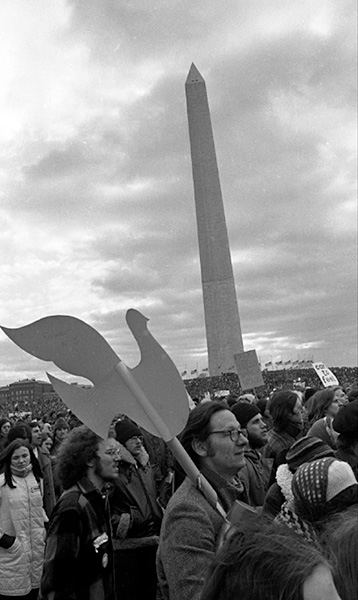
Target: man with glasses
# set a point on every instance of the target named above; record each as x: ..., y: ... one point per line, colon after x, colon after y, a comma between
x: 136, y: 516
x: 78, y: 560
x: 213, y: 439
x: 256, y: 474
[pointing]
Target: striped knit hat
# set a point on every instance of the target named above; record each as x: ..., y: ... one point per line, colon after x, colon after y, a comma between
x: 306, y: 450
x: 316, y: 483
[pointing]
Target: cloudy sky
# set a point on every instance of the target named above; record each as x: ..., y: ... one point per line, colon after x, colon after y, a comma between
x: 97, y: 209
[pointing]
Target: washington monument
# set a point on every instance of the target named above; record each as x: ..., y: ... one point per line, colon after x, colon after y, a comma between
x: 222, y: 321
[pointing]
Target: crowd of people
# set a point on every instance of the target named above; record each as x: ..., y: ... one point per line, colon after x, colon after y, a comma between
x: 274, y: 513
x: 273, y: 380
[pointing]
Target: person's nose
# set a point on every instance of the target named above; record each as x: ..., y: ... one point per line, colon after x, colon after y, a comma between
x: 242, y: 441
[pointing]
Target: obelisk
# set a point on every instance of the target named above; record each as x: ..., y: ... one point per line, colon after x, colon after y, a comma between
x: 222, y: 321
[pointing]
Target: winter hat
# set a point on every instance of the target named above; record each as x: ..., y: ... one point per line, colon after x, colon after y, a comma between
x: 60, y: 423
x: 346, y: 420
x: 244, y: 411
x: 247, y: 398
x: 340, y: 477
x: 314, y: 484
x: 306, y: 450
x: 125, y: 430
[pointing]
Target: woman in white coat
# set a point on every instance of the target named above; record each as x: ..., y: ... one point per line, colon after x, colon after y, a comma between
x: 22, y: 531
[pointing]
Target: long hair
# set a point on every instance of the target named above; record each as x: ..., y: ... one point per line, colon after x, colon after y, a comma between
x: 318, y: 404
x: 261, y: 562
x: 341, y: 537
x: 5, y: 461
x: 77, y: 450
x: 281, y: 407
x: 198, y: 426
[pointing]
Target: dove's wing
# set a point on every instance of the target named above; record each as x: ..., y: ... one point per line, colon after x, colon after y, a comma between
x: 73, y: 345
x: 85, y: 405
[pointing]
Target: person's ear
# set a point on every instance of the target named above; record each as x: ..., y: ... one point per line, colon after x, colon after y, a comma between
x: 200, y: 447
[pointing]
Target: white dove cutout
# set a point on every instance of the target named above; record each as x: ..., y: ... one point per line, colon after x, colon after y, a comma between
x: 152, y: 394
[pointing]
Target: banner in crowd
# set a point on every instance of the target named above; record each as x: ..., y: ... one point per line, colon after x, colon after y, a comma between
x: 248, y: 370
x: 325, y: 374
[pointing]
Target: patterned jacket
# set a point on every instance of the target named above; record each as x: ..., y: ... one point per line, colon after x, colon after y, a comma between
x: 256, y: 476
x: 79, y: 555
x: 278, y: 442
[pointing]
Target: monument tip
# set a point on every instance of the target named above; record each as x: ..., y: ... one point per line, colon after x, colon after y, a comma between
x: 194, y: 75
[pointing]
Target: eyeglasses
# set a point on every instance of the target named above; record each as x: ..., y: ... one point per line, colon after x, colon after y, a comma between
x: 113, y: 452
x: 234, y: 434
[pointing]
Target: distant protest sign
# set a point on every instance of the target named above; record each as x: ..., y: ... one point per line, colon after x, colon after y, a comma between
x: 325, y: 374
x: 248, y: 370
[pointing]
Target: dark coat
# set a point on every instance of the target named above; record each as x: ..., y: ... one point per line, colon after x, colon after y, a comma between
x: 49, y: 499
x: 274, y: 500
x: 135, y: 512
x: 278, y: 443
x: 78, y: 561
x: 256, y: 476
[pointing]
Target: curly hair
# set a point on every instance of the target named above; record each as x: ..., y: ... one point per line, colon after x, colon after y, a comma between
x: 262, y: 562
x: 75, y: 452
x: 5, y: 461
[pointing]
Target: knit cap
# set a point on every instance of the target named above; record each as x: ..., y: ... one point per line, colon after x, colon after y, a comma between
x: 340, y: 477
x: 305, y: 450
x: 250, y: 398
x: 125, y: 430
x: 316, y: 483
x: 244, y: 412
x: 60, y: 423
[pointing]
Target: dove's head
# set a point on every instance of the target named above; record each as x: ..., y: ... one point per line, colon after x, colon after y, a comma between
x: 136, y: 320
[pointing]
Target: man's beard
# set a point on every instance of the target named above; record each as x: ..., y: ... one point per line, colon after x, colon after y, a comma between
x: 256, y: 442
x: 98, y: 470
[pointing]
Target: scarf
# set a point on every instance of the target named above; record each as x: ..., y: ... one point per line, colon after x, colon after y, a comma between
x: 227, y: 492
x: 294, y: 429
x: 287, y: 516
x: 21, y: 472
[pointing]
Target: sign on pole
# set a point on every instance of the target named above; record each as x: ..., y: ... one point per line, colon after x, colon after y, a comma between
x: 325, y: 374
x: 248, y: 370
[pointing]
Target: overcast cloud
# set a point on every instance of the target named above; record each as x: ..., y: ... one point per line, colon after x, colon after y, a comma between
x: 97, y: 207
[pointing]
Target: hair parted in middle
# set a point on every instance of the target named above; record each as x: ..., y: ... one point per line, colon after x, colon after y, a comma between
x: 5, y: 461
x: 78, y: 449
